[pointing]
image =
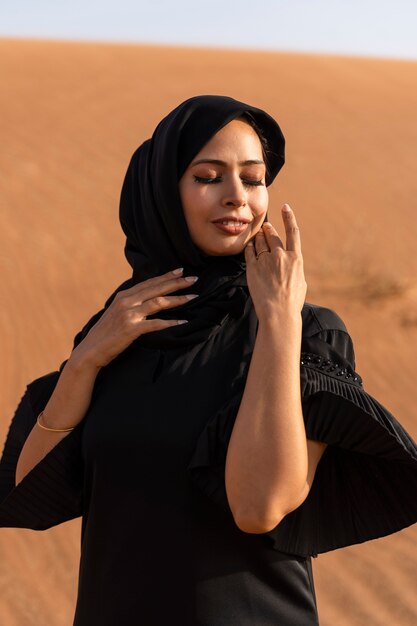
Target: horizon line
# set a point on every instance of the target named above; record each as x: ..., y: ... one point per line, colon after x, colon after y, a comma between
x: 206, y: 47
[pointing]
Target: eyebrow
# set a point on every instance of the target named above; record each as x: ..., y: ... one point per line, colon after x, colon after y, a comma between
x: 218, y: 162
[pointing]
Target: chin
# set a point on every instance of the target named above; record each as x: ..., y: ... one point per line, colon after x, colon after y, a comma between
x: 224, y: 251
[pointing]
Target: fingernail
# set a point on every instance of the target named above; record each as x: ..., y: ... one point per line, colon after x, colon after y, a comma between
x: 286, y: 208
x: 182, y: 321
x: 191, y: 279
x: 178, y: 271
x: 190, y: 296
x: 250, y: 243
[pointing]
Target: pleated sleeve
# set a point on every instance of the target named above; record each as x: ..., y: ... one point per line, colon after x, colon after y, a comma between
x: 365, y: 484
x: 51, y: 493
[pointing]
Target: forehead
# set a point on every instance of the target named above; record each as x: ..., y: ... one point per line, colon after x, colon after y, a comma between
x: 237, y: 138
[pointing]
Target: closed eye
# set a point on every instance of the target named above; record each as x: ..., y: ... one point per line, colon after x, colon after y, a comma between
x: 218, y: 179
x: 253, y: 183
x: 207, y: 181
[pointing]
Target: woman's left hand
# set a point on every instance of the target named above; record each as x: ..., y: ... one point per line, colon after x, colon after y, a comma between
x: 275, y: 278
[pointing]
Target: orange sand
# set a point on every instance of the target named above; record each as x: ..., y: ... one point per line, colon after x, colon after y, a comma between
x: 71, y: 115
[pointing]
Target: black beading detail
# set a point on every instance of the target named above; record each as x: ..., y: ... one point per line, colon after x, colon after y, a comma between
x: 317, y: 362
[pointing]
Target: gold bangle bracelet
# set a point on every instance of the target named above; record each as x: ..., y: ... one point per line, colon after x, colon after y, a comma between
x: 55, y: 430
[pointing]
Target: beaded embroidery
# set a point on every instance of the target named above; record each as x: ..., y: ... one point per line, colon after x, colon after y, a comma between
x: 317, y: 362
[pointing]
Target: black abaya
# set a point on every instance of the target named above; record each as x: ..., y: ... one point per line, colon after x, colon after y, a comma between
x: 145, y: 466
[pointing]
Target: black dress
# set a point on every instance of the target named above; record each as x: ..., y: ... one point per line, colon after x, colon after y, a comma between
x: 145, y: 470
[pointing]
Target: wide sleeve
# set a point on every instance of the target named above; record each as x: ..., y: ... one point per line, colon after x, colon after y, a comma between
x: 52, y: 492
x: 365, y: 484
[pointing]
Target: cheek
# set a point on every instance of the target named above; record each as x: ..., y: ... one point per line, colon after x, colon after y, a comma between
x: 195, y: 201
x: 259, y: 207
x: 260, y: 203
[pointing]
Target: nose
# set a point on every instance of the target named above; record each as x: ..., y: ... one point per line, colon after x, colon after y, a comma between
x: 236, y: 194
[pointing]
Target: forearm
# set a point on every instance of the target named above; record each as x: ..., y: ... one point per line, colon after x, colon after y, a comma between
x: 66, y: 408
x: 267, y: 460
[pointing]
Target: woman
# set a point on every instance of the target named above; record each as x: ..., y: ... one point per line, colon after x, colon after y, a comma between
x: 180, y: 428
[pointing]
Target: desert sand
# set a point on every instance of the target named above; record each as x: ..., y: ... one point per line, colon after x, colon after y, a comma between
x: 71, y: 114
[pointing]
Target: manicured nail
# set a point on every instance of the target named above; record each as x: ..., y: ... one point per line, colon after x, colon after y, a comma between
x: 178, y: 271
x: 190, y: 296
x: 182, y: 321
x: 191, y: 279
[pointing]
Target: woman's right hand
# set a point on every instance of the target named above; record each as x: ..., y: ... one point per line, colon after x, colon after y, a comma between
x: 125, y: 319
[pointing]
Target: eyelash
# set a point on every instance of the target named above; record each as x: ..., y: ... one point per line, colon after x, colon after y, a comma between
x: 211, y: 181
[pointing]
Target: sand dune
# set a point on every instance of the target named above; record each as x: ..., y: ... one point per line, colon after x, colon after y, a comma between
x: 71, y: 115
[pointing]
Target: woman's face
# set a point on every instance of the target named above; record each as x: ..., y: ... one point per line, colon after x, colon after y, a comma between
x: 225, y: 182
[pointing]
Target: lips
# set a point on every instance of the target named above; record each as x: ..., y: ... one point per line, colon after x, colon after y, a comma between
x: 230, y: 218
x: 232, y: 227
x: 231, y: 224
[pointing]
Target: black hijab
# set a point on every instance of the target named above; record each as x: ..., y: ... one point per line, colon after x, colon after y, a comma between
x: 157, y: 237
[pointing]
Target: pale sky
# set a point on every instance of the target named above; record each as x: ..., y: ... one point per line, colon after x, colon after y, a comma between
x: 384, y: 28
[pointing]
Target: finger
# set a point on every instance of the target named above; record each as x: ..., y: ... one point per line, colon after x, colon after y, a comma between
x: 168, y: 287
x: 293, y: 240
x: 271, y: 236
x: 156, y: 288
x: 153, y: 305
x: 149, y: 326
x: 155, y: 280
x: 250, y: 254
x: 260, y: 241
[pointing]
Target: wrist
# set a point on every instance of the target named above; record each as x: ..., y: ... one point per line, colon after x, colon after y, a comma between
x: 82, y: 362
x: 281, y: 317
x: 282, y: 332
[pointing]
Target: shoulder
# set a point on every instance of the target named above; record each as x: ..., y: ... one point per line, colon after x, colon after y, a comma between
x: 325, y: 333
x: 317, y: 318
